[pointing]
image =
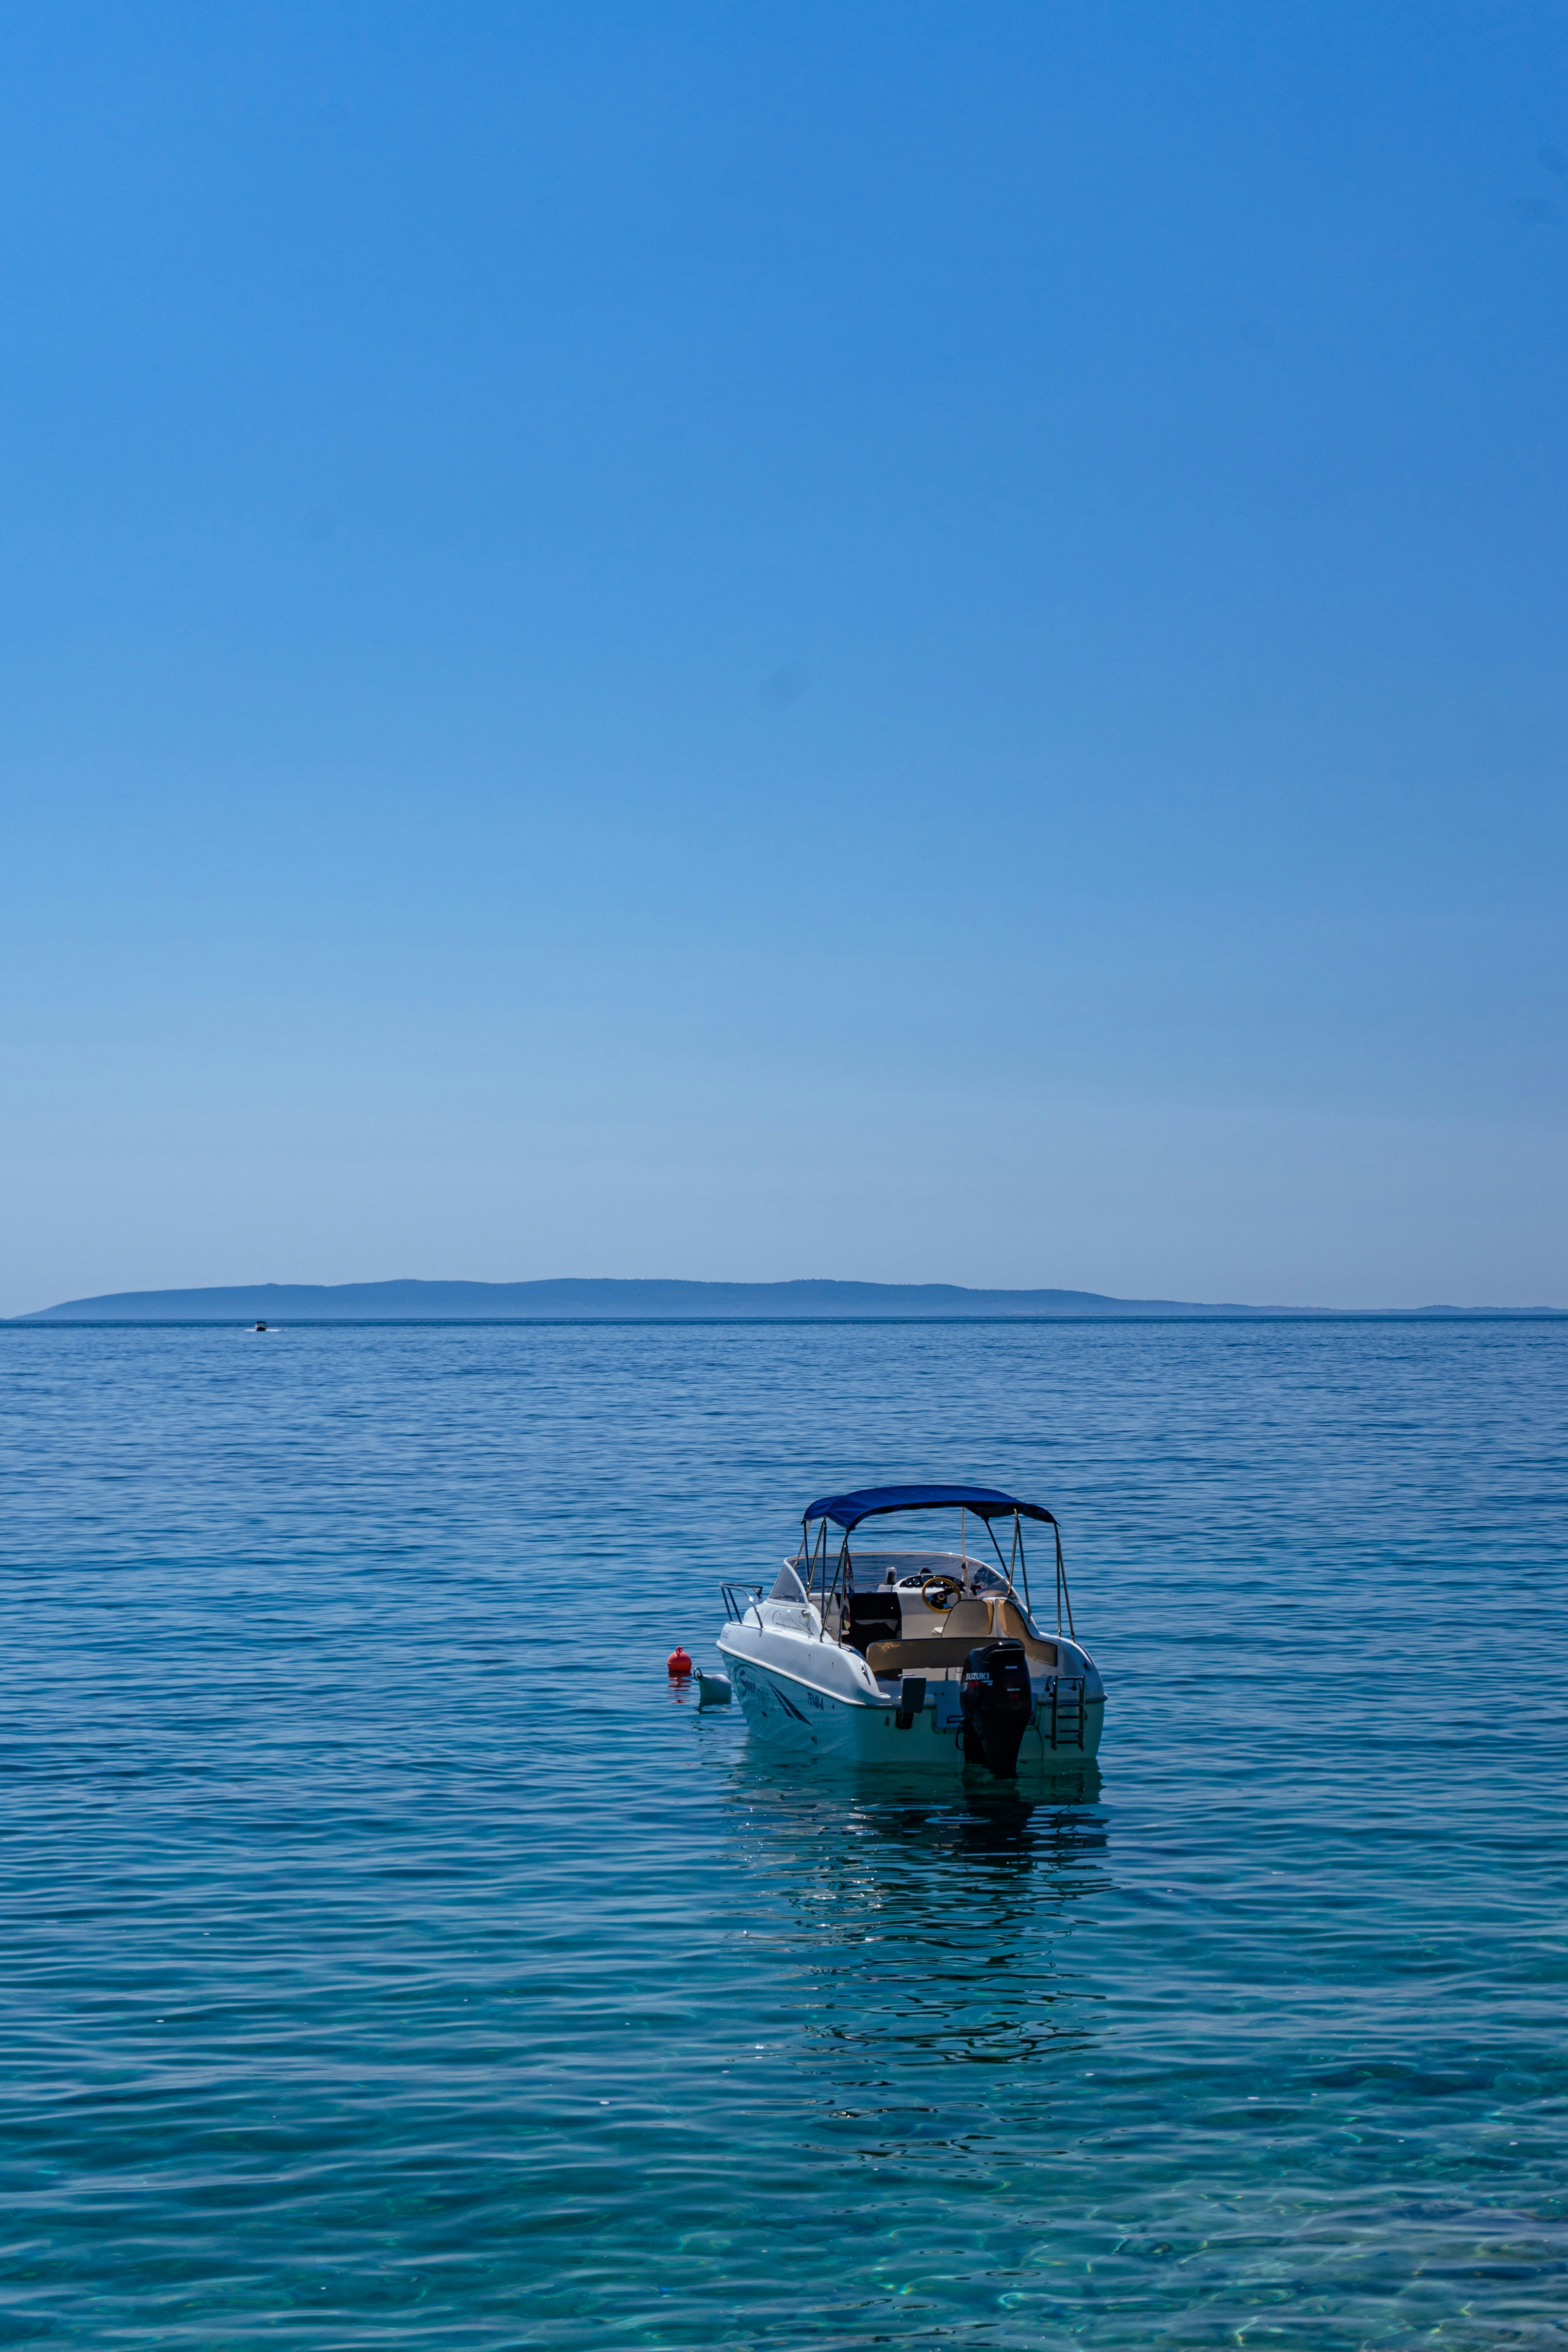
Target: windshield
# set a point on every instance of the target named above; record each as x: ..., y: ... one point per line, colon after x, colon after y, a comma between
x: 869, y: 1569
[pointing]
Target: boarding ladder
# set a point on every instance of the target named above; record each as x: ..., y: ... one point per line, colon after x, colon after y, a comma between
x: 1061, y: 1714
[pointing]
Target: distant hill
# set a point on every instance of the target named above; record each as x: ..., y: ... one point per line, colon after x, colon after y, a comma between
x: 573, y: 1301
x: 545, y: 1301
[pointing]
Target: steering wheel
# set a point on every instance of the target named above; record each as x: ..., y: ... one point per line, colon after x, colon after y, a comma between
x: 941, y: 1591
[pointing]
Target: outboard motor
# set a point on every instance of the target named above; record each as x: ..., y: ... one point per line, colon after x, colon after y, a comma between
x: 999, y: 1705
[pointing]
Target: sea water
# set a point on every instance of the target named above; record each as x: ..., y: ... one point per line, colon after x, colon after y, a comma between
x: 390, y: 1958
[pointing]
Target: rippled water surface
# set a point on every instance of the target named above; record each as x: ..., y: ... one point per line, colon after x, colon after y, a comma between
x: 388, y: 1959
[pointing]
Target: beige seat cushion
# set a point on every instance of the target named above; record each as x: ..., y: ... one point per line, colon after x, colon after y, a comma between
x: 953, y: 1637
x: 898, y: 1657
x: 948, y: 1652
x: 969, y: 1617
x: 1011, y: 1624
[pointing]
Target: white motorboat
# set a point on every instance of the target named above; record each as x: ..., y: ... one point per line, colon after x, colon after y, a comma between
x: 902, y: 1656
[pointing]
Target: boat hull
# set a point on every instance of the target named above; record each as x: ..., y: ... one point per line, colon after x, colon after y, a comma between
x: 793, y: 1712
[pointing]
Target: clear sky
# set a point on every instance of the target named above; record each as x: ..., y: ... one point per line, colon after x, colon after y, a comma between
x: 750, y: 638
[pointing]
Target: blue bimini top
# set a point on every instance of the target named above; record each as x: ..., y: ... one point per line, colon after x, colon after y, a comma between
x: 986, y: 1502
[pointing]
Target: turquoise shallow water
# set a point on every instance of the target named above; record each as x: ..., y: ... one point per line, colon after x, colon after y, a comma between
x: 388, y: 1959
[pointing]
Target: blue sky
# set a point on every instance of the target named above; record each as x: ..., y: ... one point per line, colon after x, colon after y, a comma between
x: 912, y: 642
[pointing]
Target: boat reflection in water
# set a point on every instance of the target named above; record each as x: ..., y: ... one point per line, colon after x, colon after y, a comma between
x: 928, y: 1927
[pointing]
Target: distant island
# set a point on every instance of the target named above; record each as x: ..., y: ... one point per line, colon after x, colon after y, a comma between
x: 575, y: 1301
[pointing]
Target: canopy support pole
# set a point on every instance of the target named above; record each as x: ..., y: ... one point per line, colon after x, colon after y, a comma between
x: 1062, y: 1592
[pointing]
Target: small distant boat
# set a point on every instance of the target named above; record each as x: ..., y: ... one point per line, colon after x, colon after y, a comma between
x: 264, y: 1327
x: 911, y: 1657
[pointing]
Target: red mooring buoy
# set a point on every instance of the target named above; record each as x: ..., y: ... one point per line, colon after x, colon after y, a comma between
x: 679, y: 1663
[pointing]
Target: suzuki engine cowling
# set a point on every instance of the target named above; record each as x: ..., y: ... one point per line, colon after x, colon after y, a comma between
x: 999, y: 1705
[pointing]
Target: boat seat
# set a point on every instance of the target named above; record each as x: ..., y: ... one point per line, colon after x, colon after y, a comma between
x: 1011, y: 1626
x: 950, y: 1650
x: 995, y: 1618
x: 931, y: 1650
x: 874, y: 1616
x: 968, y: 1621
